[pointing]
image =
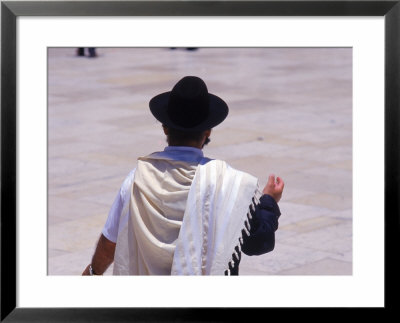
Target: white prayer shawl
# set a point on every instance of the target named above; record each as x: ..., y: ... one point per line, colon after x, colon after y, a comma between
x: 184, y: 218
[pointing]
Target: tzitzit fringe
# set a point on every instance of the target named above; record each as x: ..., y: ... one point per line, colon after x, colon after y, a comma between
x: 246, y: 230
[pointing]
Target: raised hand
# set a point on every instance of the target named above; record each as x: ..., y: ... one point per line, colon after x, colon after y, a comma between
x: 274, y: 187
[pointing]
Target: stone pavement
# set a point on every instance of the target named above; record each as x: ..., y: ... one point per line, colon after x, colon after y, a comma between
x: 290, y: 114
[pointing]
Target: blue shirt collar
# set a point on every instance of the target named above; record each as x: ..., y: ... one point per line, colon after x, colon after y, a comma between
x: 184, y: 149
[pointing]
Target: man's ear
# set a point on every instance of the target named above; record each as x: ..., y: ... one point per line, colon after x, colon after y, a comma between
x: 165, y: 130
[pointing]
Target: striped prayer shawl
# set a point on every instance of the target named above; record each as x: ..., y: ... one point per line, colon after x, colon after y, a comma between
x: 189, y: 225
x: 215, y: 215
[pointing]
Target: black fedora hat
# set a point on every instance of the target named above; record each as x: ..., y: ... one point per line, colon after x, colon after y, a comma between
x: 189, y: 106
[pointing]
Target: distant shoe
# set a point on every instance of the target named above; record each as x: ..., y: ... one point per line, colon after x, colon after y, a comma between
x: 191, y: 48
x: 92, y: 52
x: 80, y: 51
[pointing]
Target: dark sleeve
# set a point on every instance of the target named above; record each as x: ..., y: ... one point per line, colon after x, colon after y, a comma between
x: 259, y: 238
x: 263, y: 224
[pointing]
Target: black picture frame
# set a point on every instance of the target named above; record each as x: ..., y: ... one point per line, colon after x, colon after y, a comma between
x: 11, y: 10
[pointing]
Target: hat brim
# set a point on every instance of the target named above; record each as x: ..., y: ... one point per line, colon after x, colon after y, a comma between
x: 217, y: 113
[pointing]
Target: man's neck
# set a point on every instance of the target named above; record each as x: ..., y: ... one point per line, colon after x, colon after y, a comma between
x: 186, y: 144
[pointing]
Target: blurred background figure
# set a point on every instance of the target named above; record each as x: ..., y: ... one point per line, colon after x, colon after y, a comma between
x: 187, y: 48
x: 81, y: 51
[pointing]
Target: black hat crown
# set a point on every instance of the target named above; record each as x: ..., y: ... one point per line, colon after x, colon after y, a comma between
x: 189, y: 106
x: 188, y: 103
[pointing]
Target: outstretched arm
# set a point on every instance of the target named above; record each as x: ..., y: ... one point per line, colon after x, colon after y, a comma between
x: 102, y: 258
x: 105, y: 249
x: 264, y: 220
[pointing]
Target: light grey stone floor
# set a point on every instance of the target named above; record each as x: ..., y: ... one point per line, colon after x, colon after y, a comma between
x: 290, y: 114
